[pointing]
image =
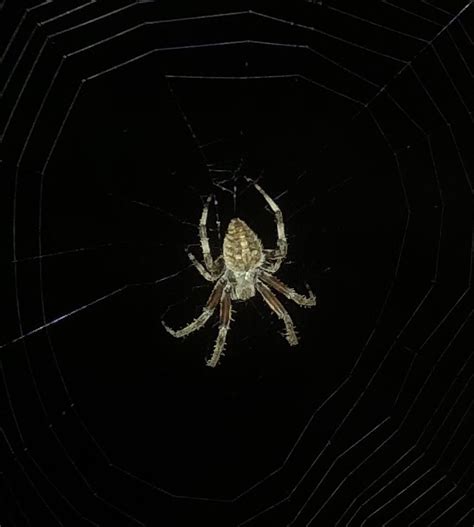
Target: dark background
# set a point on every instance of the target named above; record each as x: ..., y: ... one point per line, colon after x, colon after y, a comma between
x: 117, y: 122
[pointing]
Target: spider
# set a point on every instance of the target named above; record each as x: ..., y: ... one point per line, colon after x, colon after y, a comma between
x: 243, y: 268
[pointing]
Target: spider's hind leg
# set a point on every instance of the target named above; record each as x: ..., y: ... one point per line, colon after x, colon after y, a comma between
x: 280, y: 253
x: 203, y: 237
x: 273, y: 260
x: 211, y: 275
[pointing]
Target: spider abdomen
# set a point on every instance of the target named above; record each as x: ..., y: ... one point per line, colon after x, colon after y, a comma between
x: 242, y: 248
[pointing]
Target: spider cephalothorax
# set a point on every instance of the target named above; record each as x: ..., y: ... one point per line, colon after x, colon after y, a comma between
x: 244, y: 268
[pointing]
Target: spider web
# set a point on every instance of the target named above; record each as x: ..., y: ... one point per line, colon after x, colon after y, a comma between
x: 116, y: 123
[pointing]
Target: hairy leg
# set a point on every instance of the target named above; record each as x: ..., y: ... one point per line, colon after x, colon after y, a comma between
x: 280, y: 253
x: 204, y: 239
x: 273, y: 260
x: 199, y: 322
x: 211, y: 277
x: 277, y: 307
x: 225, y: 318
x: 278, y: 285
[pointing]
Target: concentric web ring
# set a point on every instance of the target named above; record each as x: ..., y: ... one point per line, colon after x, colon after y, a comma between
x: 116, y: 123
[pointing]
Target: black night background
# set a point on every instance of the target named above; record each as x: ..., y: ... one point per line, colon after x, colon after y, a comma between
x: 117, y: 121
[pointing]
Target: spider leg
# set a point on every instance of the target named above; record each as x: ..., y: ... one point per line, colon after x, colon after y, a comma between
x: 199, y: 322
x: 280, y: 253
x: 278, y: 285
x: 273, y: 260
x: 203, y: 237
x: 282, y: 313
x: 225, y: 318
x: 202, y: 270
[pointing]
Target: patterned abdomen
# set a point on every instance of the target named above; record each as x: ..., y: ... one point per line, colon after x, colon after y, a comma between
x: 242, y: 249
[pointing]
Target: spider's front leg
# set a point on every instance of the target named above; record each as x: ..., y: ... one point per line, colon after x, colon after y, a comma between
x: 199, y: 322
x: 278, y: 285
x: 282, y: 313
x: 225, y: 318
